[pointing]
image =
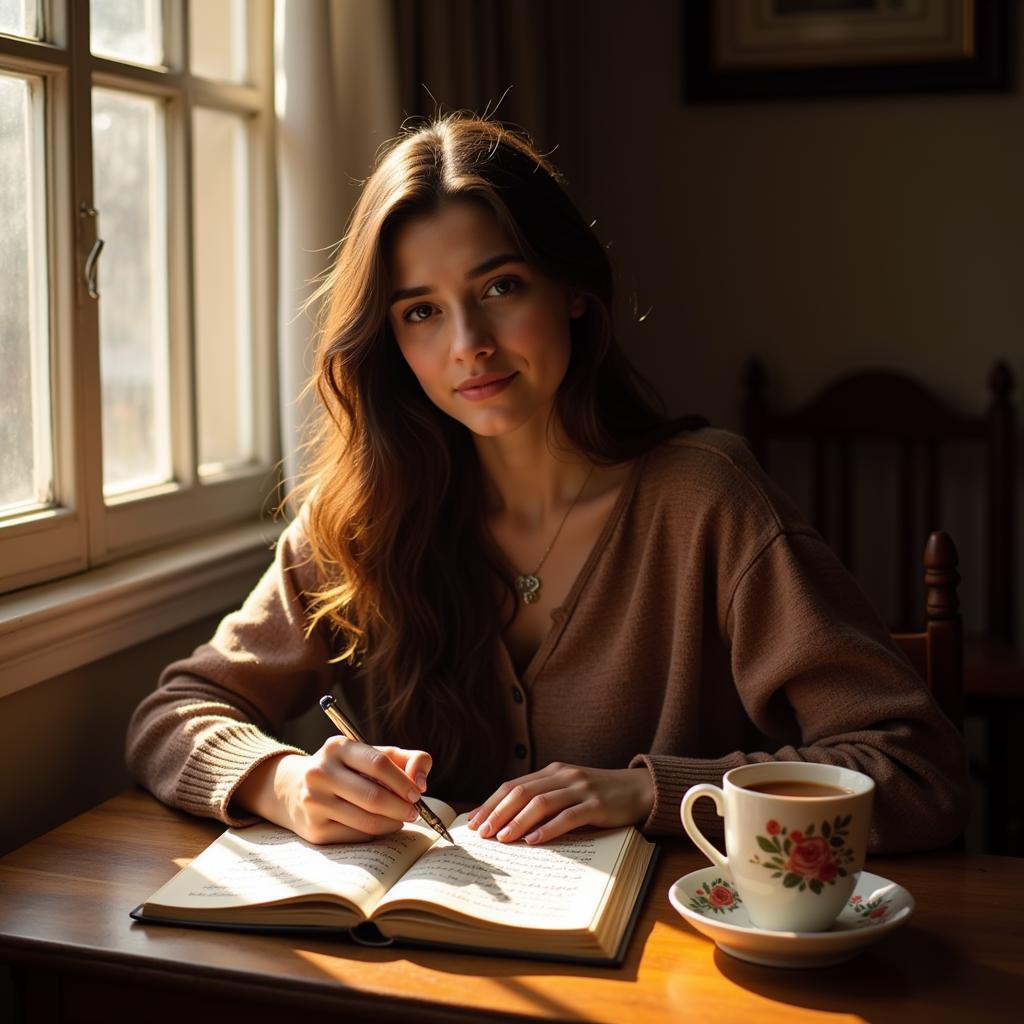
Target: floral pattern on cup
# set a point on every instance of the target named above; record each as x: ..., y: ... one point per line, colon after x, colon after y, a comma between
x: 806, y: 859
x: 717, y: 897
x: 870, y: 911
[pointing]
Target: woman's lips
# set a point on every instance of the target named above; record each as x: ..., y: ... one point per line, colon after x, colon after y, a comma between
x: 478, y: 394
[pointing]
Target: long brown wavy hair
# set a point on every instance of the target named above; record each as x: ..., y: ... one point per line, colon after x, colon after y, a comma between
x: 394, y: 490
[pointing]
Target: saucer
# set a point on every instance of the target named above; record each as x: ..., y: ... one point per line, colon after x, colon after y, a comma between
x: 709, y: 902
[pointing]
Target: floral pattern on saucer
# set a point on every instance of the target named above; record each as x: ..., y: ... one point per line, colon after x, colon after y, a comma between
x: 871, y: 911
x: 717, y: 897
x: 803, y: 859
x: 877, y: 907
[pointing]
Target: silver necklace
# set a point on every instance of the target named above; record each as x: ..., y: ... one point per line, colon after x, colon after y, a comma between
x: 528, y: 584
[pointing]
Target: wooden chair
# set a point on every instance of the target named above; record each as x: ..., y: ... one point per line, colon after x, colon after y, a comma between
x: 938, y: 652
x: 882, y: 406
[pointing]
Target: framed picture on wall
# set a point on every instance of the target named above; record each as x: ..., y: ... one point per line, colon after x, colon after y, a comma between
x: 767, y: 49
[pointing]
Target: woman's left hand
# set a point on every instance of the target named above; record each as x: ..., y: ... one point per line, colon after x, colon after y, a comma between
x: 546, y: 804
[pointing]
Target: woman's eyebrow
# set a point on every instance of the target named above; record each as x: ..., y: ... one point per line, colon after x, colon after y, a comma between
x: 492, y: 264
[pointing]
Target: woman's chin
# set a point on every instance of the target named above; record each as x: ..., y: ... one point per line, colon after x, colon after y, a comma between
x: 493, y: 426
x: 496, y: 422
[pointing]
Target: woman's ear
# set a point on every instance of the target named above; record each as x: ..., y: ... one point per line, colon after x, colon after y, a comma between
x: 577, y: 304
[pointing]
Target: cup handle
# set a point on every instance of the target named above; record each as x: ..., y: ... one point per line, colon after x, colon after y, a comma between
x: 690, y: 797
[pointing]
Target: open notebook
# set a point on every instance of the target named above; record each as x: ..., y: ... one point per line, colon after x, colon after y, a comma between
x: 575, y: 898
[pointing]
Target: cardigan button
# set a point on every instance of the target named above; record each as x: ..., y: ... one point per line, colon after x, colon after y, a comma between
x: 517, y: 695
x: 520, y: 752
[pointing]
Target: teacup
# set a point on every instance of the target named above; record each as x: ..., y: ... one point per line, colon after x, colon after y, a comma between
x: 795, y: 837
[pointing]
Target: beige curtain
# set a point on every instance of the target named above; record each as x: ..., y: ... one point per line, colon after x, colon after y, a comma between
x: 337, y: 101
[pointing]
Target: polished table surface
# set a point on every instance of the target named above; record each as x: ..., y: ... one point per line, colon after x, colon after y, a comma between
x: 76, y: 956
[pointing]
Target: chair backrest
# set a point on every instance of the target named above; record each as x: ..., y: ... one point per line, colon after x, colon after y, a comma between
x: 885, y: 406
x: 938, y: 652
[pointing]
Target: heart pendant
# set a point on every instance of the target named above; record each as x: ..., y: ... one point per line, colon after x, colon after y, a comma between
x: 528, y: 587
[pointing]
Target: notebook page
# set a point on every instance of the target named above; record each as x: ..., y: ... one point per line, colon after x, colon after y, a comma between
x: 557, y: 885
x: 265, y: 864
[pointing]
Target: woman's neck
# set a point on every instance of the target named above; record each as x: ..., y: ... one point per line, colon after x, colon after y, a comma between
x: 531, y: 474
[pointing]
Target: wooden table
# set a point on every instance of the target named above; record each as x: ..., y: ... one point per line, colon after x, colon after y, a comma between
x: 64, y: 926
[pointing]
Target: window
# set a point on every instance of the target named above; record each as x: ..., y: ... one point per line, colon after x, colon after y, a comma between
x: 137, y: 306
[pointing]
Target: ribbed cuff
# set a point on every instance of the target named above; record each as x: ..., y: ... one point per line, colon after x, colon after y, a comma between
x: 673, y: 776
x: 219, y: 766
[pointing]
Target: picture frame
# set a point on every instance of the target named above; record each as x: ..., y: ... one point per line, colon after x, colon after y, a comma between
x: 792, y: 49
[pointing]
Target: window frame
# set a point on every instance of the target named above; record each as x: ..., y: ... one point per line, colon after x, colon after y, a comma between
x: 83, y: 530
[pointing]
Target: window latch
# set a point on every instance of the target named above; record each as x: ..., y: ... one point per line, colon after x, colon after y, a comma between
x: 92, y: 260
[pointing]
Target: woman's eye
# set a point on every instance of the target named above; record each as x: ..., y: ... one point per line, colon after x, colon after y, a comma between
x: 505, y: 285
x: 413, y: 316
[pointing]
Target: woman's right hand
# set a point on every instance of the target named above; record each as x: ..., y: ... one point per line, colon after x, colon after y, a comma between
x: 346, y: 792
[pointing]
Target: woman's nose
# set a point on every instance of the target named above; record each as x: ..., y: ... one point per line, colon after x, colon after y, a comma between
x: 472, y: 336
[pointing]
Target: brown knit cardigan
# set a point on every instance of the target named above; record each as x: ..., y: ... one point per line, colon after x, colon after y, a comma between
x: 710, y: 627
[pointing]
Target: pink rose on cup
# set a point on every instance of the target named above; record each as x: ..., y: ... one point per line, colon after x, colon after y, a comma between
x: 879, y: 912
x: 801, y: 858
x: 809, y: 856
x: 720, y: 896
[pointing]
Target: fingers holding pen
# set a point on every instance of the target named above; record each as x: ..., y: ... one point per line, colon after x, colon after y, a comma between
x: 368, y: 778
x: 415, y: 763
x: 383, y: 764
x: 376, y: 764
x: 336, y: 794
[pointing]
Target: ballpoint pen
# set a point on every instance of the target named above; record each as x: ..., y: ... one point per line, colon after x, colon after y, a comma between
x: 346, y: 728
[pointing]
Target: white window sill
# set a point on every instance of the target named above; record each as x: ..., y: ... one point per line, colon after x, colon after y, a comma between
x: 57, y: 627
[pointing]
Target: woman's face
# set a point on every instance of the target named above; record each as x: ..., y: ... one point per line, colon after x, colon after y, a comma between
x: 486, y: 334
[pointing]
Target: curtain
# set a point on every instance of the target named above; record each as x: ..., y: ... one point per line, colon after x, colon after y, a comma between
x: 337, y: 101
x: 516, y: 55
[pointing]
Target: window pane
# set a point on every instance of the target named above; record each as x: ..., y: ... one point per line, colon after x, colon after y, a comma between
x: 26, y: 463
x: 131, y: 195
x: 20, y: 18
x: 223, y: 338
x: 130, y: 30
x: 217, y: 39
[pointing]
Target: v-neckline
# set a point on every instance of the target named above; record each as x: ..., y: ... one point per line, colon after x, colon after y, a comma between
x: 561, y: 614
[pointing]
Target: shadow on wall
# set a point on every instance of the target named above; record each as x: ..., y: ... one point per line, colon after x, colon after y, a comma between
x: 86, y: 714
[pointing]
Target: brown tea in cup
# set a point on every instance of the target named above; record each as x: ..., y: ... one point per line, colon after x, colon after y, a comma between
x: 796, y: 787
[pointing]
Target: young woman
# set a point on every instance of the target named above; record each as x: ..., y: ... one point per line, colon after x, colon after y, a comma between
x: 526, y: 583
